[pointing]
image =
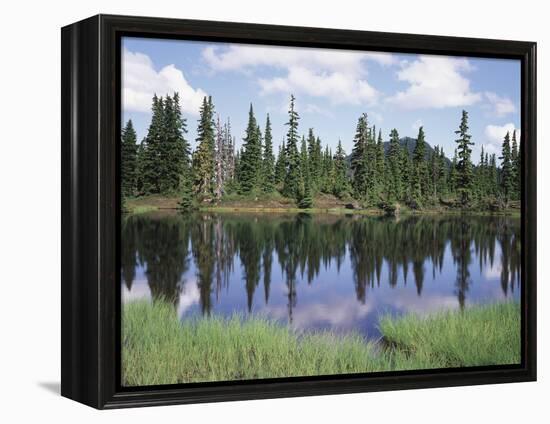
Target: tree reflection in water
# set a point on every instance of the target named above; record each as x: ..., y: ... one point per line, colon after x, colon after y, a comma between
x: 303, y: 247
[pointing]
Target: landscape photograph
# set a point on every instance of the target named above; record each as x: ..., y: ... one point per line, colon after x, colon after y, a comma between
x: 296, y: 212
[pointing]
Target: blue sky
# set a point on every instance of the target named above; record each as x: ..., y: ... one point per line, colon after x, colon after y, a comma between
x: 332, y: 88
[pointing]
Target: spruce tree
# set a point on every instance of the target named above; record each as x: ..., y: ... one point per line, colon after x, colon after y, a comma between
x: 370, y: 166
x: 419, y: 173
x: 228, y: 158
x: 305, y: 200
x: 393, y: 170
x: 203, y: 157
x: 453, y: 174
x: 481, y: 176
x: 380, y: 164
x: 251, y: 158
x: 314, y: 154
x: 443, y: 173
x: 465, y: 173
x: 359, y: 158
x: 187, y: 198
x: 140, y: 159
x: 280, y: 165
x: 151, y: 166
x: 406, y: 170
x: 326, y: 182
x: 434, y: 173
x: 128, y: 164
x: 516, y: 167
x: 268, y: 174
x: 507, y: 172
x: 292, y: 178
x: 175, y: 150
x: 340, y: 188
x: 218, y: 160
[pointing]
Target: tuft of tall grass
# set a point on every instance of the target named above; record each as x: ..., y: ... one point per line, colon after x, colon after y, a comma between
x: 478, y: 335
x: 157, y: 348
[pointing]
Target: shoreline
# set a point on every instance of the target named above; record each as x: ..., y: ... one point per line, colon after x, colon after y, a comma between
x: 143, y: 209
x: 279, y: 205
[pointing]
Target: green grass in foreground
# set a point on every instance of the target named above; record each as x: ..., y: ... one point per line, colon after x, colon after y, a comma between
x: 481, y: 335
x: 159, y: 349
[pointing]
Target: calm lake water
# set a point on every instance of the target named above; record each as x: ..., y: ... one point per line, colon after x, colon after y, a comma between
x: 319, y: 272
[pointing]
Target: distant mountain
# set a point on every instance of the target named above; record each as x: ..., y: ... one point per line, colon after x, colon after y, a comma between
x: 411, y: 144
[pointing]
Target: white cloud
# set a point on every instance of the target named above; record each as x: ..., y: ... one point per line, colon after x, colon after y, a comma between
x: 189, y: 296
x: 141, y: 81
x: 339, y: 87
x: 435, y: 82
x: 340, y: 76
x: 495, y: 134
x: 500, y: 106
x: 316, y: 110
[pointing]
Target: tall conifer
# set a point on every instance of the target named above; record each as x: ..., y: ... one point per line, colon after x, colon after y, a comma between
x: 128, y: 165
x: 292, y: 178
x: 465, y: 173
x: 203, y: 158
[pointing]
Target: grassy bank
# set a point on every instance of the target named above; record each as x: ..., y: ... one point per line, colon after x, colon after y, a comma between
x: 159, y: 349
x: 482, y: 335
x: 275, y: 203
x: 141, y: 205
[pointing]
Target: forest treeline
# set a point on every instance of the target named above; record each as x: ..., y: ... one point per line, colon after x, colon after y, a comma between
x: 374, y: 175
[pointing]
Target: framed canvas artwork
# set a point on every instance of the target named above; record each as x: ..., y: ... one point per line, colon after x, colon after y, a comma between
x: 255, y: 211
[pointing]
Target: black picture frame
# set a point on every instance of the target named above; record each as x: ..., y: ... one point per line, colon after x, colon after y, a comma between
x: 90, y: 289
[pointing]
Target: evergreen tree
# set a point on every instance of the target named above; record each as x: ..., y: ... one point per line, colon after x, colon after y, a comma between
x: 314, y: 155
x: 128, y: 165
x: 359, y: 158
x: 186, y: 202
x: 443, y: 173
x: 370, y: 166
x: 453, y: 174
x: 380, y: 164
x: 406, y: 169
x: 151, y: 167
x: 251, y: 158
x: 228, y: 160
x: 419, y: 174
x: 203, y: 158
x: 327, y: 165
x: 182, y: 148
x: 507, y: 172
x: 393, y: 170
x: 465, y: 173
x: 493, y: 174
x: 218, y: 160
x: 516, y: 167
x: 268, y: 176
x: 280, y: 165
x: 305, y: 200
x: 434, y: 173
x: 174, y: 149
x: 304, y: 167
x: 481, y: 176
x: 140, y: 160
x: 291, y: 186
x: 340, y: 188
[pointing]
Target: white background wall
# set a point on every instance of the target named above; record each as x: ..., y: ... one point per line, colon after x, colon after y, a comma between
x: 30, y: 212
